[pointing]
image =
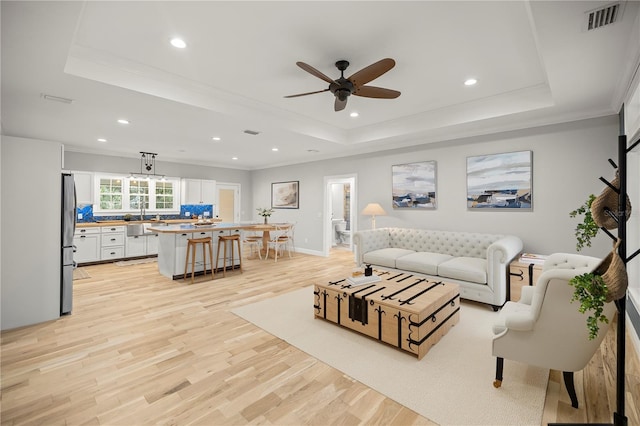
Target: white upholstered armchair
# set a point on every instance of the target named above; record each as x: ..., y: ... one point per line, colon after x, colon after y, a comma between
x: 544, y: 328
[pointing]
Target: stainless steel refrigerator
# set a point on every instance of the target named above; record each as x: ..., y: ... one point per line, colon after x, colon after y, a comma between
x: 68, y: 230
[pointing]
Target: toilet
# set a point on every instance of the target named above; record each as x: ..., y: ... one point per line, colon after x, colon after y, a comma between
x: 344, y: 232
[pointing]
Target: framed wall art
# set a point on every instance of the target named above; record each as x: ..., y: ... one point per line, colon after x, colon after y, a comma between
x: 500, y: 181
x: 414, y: 185
x: 285, y: 195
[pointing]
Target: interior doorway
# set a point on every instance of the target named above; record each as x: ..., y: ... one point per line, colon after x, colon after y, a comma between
x: 228, y: 202
x: 340, y: 212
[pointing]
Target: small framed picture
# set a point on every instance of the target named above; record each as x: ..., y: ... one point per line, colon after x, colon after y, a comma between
x: 285, y: 195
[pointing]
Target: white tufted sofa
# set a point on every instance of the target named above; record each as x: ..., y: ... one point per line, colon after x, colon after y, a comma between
x: 479, y: 263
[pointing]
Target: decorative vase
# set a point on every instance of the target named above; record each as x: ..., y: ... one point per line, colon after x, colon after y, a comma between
x: 265, y: 220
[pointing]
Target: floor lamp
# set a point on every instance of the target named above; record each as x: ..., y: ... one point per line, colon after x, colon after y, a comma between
x: 373, y: 210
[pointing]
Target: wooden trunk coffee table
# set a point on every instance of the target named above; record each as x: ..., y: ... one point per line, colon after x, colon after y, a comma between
x: 409, y: 311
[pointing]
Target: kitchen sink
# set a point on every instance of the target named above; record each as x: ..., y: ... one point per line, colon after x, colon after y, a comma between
x: 141, y: 228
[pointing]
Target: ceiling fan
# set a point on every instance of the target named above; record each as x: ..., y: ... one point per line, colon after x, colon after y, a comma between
x: 343, y: 87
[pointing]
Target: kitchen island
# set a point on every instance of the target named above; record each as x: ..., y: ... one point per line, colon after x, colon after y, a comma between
x: 172, y: 247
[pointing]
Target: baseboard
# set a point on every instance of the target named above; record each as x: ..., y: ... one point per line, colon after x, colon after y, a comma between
x: 307, y: 251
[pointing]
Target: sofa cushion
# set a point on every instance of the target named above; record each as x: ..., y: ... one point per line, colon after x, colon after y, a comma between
x: 423, y: 262
x: 464, y: 268
x: 385, y: 257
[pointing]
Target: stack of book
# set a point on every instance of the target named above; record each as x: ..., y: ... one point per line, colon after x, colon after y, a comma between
x: 533, y: 258
x: 362, y: 279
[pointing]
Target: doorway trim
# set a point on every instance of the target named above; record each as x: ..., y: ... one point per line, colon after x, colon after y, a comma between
x: 327, y: 228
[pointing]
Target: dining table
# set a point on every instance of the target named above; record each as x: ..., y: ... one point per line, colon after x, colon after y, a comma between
x: 266, y: 233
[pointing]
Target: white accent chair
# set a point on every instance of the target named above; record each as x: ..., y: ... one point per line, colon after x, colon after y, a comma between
x: 544, y: 328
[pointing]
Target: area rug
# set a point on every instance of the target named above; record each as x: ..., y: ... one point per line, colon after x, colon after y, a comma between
x: 136, y: 261
x: 80, y: 274
x: 451, y: 385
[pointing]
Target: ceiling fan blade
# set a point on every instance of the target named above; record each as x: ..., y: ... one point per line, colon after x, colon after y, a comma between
x: 376, y: 92
x: 313, y: 71
x: 372, y: 72
x: 305, y: 94
x: 339, y: 105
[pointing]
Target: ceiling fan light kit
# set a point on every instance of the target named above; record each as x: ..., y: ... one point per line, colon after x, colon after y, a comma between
x: 343, y: 87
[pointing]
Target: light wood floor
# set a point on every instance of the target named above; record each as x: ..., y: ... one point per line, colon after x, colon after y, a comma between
x: 141, y: 349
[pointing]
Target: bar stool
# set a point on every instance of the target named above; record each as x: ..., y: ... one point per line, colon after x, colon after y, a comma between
x: 192, y: 244
x: 222, y: 240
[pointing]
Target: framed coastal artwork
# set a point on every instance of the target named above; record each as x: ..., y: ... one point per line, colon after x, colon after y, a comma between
x: 414, y: 186
x: 285, y: 195
x: 500, y: 181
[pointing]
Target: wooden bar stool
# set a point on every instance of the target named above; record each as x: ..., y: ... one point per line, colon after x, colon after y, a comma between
x: 192, y: 244
x: 222, y: 240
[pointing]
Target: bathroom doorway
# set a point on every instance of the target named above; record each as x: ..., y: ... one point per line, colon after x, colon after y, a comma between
x: 340, y: 205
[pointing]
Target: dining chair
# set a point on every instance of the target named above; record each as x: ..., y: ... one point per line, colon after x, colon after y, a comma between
x: 281, y: 238
x: 253, y: 240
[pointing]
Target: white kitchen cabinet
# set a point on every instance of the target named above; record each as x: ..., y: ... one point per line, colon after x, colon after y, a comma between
x: 152, y: 244
x: 87, y: 243
x: 84, y: 187
x: 136, y: 246
x: 198, y: 191
x: 112, y: 242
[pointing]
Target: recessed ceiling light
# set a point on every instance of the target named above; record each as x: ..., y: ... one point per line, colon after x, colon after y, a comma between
x: 274, y: 149
x: 354, y: 114
x: 102, y: 140
x: 234, y: 158
x: 216, y: 138
x: 123, y: 121
x: 178, y: 42
x: 470, y: 82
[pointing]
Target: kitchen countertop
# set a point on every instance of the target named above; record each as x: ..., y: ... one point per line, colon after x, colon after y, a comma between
x: 193, y: 227
x: 126, y: 222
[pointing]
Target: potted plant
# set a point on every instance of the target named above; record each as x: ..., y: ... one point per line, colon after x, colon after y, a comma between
x: 127, y: 217
x: 264, y: 213
x: 588, y: 229
x: 591, y: 291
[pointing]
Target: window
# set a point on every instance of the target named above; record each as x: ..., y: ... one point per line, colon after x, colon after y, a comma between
x: 119, y: 195
x: 164, y: 195
x: 139, y: 194
x: 110, y: 194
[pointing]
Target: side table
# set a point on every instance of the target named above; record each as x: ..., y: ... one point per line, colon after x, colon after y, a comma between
x: 522, y: 272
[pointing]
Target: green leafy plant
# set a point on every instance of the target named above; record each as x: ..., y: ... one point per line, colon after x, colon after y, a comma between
x: 264, y: 212
x: 588, y: 229
x: 591, y: 291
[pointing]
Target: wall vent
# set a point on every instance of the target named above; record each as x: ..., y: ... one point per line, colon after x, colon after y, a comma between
x: 603, y: 16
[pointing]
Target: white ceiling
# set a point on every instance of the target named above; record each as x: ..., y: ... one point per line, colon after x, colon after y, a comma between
x: 534, y: 61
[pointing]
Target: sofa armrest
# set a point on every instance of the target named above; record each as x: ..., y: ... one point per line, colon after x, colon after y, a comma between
x: 499, y: 255
x: 369, y: 240
x: 527, y: 295
x: 519, y: 321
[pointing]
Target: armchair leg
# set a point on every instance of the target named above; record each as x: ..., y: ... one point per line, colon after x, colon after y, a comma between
x: 499, y: 367
x: 568, y: 383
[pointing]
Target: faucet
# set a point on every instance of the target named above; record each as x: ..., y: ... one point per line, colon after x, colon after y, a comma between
x: 142, y: 209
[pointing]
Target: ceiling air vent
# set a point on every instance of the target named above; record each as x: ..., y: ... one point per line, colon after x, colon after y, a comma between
x: 252, y: 132
x: 603, y: 16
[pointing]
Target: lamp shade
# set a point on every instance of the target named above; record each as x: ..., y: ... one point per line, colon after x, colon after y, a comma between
x: 374, y: 209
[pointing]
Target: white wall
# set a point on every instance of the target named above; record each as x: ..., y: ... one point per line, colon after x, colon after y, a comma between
x: 568, y: 159
x: 30, y: 254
